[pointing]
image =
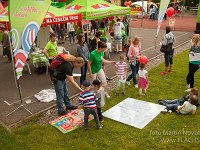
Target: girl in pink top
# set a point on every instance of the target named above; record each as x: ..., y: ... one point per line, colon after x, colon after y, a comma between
x: 133, y: 55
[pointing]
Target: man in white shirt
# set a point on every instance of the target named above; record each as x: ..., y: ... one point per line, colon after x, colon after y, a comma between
x: 71, y: 32
x: 118, y: 27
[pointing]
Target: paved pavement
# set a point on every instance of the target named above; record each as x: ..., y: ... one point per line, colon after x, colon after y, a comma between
x: 182, y: 23
x: 34, y: 83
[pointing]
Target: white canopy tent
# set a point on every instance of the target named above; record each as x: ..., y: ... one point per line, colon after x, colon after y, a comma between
x: 145, y: 5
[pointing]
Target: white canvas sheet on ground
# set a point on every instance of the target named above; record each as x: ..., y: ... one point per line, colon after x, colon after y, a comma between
x: 134, y: 112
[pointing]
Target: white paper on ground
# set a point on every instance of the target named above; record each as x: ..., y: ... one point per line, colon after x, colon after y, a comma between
x: 46, y: 95
x: 194, y: 57
x: 134, y: 112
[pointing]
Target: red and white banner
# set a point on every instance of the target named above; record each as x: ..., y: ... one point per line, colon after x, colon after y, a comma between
x: 100, y: 6
x: 74, y: 7
x: 61, y: 19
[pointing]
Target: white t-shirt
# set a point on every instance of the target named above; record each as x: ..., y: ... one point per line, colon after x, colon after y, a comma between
x: 70, y: 26
x: 118, y: 28
x: 142, y: 73
x: 188, y: 108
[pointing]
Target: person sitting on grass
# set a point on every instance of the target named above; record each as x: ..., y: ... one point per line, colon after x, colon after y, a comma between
x: 100, y: 92
x: 189, y: 92
x: 173, y: 105
x: 188, y: 106
x: 88, y: 99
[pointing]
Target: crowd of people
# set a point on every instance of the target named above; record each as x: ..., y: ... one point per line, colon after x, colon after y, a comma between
x: 93, y: 89
x: 91, y: 60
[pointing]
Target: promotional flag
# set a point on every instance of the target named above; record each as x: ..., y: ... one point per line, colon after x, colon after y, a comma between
x: 163, y: 7
x: 25, y: 18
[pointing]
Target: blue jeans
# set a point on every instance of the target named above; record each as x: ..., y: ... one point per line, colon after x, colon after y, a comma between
x: 134, y: 69
x: 61, y: 95
x: 83, y: 73
x: 172, y: 104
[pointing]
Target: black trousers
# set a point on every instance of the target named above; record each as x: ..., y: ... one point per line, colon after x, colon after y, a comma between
x: 99, y: 112
x: 6, y: 51
x: 190, y: 77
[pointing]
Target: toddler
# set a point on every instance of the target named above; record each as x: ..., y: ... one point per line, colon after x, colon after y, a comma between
x: 100, y: 92
x: 142, y: 79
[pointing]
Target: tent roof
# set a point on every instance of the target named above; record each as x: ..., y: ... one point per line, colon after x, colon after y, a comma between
x: 94, y: 9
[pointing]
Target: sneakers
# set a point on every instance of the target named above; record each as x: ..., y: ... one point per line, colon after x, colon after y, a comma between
x: 160, y: 102
x: 141, y: 94
x: 128, y: 83
x: 108, y: 79
x: 107, y: 95
x: 72, y: 107
x: 164, y: 111
x: 163, y: 73
x: 169, y: 71
x: 187, y: 86
x: 62, y: 113
x: 116, y: 94
x: 100, y: 127
x: 136, y: 85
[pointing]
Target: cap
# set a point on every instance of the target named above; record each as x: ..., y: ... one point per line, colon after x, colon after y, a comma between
x: 86, y: 83
x: 96, y: 82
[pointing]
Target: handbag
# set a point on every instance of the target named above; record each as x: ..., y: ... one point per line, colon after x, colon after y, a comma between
x: 164, y: 48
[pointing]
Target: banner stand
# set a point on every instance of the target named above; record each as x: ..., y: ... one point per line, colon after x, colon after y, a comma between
x: 16, y: 82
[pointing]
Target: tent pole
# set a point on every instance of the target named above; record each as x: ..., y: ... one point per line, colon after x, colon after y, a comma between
x: 142, y: 13
x: 17, y: 82
x: 15, y: 77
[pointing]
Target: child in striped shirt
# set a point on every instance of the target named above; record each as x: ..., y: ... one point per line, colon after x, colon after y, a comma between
x: 88, y: 99
x: 121, y: 73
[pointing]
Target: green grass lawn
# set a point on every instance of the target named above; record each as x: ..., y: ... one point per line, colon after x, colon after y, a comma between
x: 166, y: 131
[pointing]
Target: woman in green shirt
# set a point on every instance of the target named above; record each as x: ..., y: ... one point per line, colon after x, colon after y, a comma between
x: 95, y: 64
x: 50, y: 49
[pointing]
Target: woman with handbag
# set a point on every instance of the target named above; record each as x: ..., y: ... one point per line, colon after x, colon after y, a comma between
x: 133, y: 55
x: 167, y: 43
x: 194, y: 60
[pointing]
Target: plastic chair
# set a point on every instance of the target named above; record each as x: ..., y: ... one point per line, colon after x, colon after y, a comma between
x: 61, y: 49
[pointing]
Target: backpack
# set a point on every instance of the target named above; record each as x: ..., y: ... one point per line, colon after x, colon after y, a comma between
x: 57, y: 61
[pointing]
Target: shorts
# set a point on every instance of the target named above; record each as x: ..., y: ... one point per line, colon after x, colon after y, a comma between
x: 118, y: 39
